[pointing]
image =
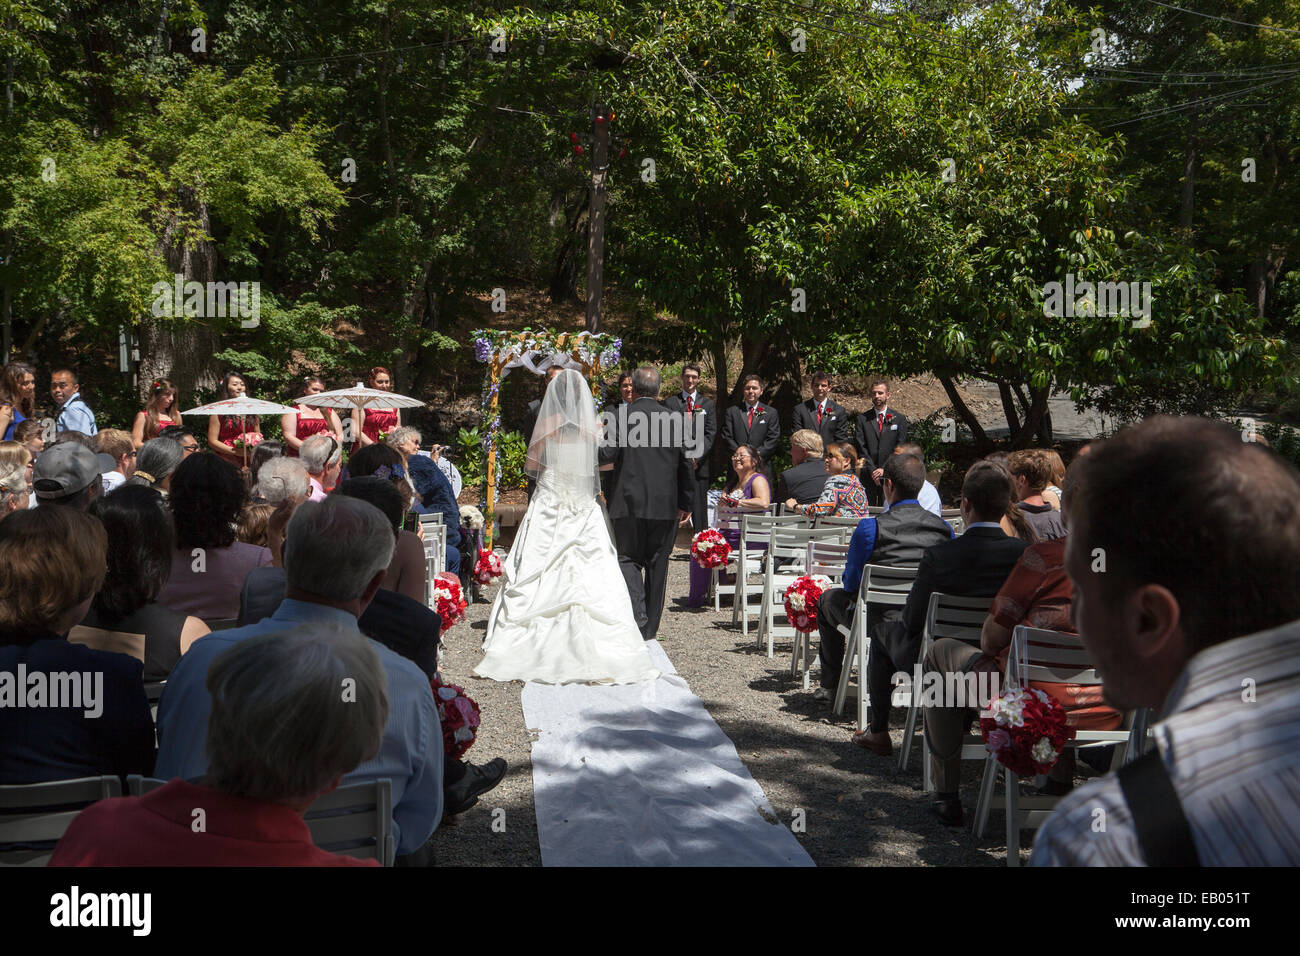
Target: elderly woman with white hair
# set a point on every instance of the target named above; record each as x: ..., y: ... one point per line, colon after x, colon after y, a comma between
x: 281, y: 479
x: 280, y: 734
x: 406, y: 441
x: 13, y: 489
x: 322, y: 456
x: 155, y: 462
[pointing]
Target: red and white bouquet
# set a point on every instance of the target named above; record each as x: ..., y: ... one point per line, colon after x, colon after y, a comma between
x: 488, y: 567
x: 448, y: 601
x: 1026, y: 730
x: 459, y: 716
x: 801, y: 599
x: 710, y: 549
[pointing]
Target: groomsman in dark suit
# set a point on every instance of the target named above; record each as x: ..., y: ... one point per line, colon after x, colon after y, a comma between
x: 752, y: 423
x: 690, y: 402
x: 878, y: 431
x: 650, y: 495
x: 825, y: 417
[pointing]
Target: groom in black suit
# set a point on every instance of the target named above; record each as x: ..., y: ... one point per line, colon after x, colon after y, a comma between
x: 878, y: 431
x: 650, y: 496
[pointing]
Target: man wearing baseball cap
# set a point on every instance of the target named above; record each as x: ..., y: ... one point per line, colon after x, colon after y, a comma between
x: 67, y: 473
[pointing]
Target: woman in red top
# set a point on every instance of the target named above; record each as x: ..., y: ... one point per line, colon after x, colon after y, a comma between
x: 309, y: 420
x: 224, y: 430
x: 156, y: 415
x: 376, y: 419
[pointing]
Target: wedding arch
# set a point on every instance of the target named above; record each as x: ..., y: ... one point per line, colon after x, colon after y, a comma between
x: 590, y: 353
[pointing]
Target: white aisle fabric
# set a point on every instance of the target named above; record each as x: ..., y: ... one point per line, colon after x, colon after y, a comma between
x: 642, y: 775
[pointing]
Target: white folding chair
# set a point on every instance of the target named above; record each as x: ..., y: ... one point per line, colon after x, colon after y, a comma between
x: 755, y: 529
x: 837, y: 521
x: 1041, y: 655
x: 954, y: 518
x: 960, y: 618
x: 725, y: 522
x: 880, y: 585
x: 789, y: 544
x: 435, y: 556
x: 825, y: 558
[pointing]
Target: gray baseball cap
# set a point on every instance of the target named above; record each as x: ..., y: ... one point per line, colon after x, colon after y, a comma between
x: 64, y: 469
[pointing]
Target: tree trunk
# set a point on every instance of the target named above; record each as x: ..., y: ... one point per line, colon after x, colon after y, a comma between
x: 1189, y: 175
x: 1009, y: 408
x: 983, y: 443
x: 564, y: 279
x: 1037, y: 409
x: 718, y: 455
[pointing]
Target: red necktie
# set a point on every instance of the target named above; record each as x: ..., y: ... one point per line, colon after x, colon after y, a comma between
x: 880, y: 422
x: 751, y: 416
x: 690, y: 404
x: 819, y: 414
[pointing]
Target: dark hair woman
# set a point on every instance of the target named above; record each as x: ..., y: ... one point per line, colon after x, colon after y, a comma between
x: 17, y: 397
x: 376, y: 421
x: 263, y: 453
x: 224, y: 431
x: 208, y: 564
x: 157, y: 414
x: 140, y: 545
x: 307, y: 421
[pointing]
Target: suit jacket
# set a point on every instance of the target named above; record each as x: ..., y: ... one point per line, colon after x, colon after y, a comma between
x: 648, y: 483
x: 973, y: 565
x: 764, y: 436
x: 803, y: 483
x: 530, y: 420
x: 706, y: 408
x: 876, y: 449
x: 836, y: 424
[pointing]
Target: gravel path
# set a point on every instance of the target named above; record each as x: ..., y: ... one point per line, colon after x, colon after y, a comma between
x: 858, y: 809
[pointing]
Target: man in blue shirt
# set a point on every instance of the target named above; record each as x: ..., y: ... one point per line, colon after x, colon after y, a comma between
x: 336, y: 554
x: 896, y: 538
x: 73, y: 414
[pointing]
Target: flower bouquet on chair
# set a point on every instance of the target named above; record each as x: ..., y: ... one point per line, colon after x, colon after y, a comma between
x: 488, y: 567
x: 1026, y: 730
x: 801, y: 599
x: 710, y: 549
x: 459, y: 716
x: 449, y: 602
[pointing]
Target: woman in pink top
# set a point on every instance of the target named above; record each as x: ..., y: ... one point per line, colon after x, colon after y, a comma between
x: 209, y: 565
x: 225, y: 430
x: 307, y: 421
x: 158, y: 414
x: 377, y: 421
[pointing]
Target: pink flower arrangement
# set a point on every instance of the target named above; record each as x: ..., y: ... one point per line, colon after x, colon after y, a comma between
x: 448, y: 600
x: 488, y: 567
x: 246, y: 440
x: 801, y: 599
x: 710, y: 549
x: 1026, y: 730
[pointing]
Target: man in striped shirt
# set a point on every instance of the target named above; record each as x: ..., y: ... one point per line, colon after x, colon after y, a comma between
x: 1184, y: 552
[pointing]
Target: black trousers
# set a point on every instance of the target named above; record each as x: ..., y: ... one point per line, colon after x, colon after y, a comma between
x: 835, y: 608
x: 644, y: 546
x: 699, y: 504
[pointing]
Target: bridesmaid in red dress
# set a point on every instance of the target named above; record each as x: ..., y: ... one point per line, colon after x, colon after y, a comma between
x: 157, y: 415
x: 308, y: 421
x: 376, y: 419
x: 224, y: 429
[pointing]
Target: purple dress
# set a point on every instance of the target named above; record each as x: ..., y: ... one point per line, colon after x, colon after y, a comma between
x: 699, y: 592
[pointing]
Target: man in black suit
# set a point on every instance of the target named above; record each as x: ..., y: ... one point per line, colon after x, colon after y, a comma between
x: 973, y: 565
x: 877, y: 432
x: 752, y: 423
x: 530, y: 421
x: 692, y: 403
x: 803, y: 483
x: 650, y: 495
x: 826, y: 418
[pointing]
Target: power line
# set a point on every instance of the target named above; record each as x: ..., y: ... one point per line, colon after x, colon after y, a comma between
x: 1193, y: 104
x: 1211, y: 16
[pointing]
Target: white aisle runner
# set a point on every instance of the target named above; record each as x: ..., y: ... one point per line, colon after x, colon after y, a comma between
x: 641, y: 775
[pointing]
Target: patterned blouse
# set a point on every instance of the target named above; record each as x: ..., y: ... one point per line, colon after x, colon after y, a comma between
x: 841, y: 495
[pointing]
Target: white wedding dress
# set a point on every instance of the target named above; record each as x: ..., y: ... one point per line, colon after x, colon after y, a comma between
x: 563, y: 614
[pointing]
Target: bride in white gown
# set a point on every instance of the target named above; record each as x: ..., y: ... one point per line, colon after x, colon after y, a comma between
x: 563, y: 614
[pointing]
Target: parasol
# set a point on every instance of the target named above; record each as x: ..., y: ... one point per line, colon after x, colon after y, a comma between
x: 243, y: 407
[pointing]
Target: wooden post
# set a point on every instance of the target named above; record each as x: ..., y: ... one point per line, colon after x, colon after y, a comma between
x: 596, y: 216
x: 494, y: 402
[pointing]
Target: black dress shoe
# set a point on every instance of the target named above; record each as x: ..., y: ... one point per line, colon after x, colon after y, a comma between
x: 464, y: 793
x: 947, y: 807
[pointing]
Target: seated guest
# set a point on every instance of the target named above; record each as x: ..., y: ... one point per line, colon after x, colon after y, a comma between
x: 336, y: 555
x: 278, y: 738
x: 928, y: 496
x: 280, y: 479
x: 804, y: 482
x: 408, y: 570
x: 1013, y: 522
x: 140, y: 546
x: 1056, y: 469
x: 115, y: 446
x: 208, y: 563
x: 322, y: 456
x: 264, y: 452
x: 974, y: 564
x: 385, y: 462
x: 1030, y: 474
x: 67, y: 473
x: 182, y: 436
x: 1195, y: 614
x: 99, y: 723
x: 748, y: 491
x: 433, y: 496
x: 72, y: 435
x: 842, y: 494
x: 253, y: 524
x: 31, y: 433
x: 897, y: 538
x: 155, y: 462
x: 15, y: 458
x: 13, y: 489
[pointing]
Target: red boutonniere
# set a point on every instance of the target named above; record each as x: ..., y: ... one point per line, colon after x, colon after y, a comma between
x: 889, y: 417
x: 758, y: 409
